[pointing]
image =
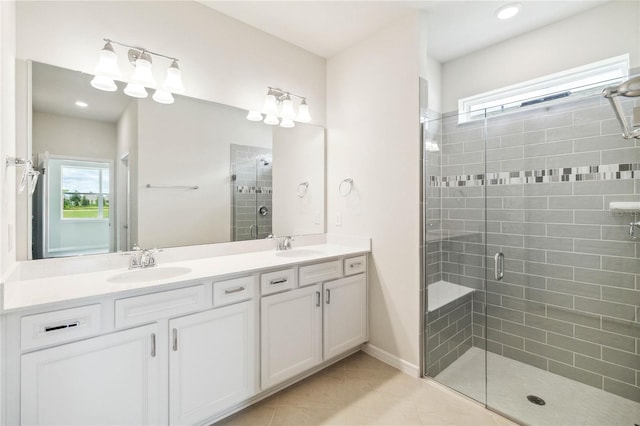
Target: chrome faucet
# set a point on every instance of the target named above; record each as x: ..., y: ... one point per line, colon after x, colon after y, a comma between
x: 284, y: 243
x: 142, y: 258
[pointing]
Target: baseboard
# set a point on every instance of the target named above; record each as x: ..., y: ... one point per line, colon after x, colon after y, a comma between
x: 392, y: 360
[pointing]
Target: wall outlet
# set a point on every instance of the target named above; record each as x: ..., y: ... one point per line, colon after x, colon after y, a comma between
x: 338, y: 219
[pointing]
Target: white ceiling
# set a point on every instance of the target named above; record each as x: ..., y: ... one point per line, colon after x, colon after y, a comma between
x: 455, y: 28
x: 55, y: 90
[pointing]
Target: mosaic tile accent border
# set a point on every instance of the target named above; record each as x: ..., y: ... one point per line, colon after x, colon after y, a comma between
x: 567, y: 174
x: 244, y: 189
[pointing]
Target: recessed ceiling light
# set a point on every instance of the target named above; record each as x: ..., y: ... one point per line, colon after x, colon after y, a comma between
x: 81, y: 104
x: 508, y: 11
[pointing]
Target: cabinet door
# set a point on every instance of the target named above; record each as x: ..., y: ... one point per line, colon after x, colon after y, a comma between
x: 291, y: 334
x: 345, y: 314
x: 107, y: 380
x: 211, y: 362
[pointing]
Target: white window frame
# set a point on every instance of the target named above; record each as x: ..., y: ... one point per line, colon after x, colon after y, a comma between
x: 580, y: 79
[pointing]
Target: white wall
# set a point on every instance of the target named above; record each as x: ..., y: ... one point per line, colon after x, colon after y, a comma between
x: 222, y: 60
x: 603, y: 32
x: 73, y: 137
x: 298, y: 156
x: 189, y: 144
x: 373, y: 137
x: 127, y: 129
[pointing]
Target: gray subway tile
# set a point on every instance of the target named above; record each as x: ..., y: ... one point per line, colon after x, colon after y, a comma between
x: 621, y: 264
x: 547, y: 189
x: 548, y: 324
x: 525, y: 357
x: 549, y: 351
x: 618, y: 156
x: 523, y: 228
x: 601, y: 307
x: 548, y: 121
x: 505, y: 153
x: 574, y: 345
x: 576, y: 374
x: 545, y: 149
x: 606, y: 369
x: 572, y: 259
x: 505, y: 339
x: 611, y: 248
x: 546, y: 243
x: 573, y: 316
x: 504, y: 128
x: 505, y: 289
x: 524, y: 331
x: 573, y: 287
x: 589, y: 202
x: 545, y: 270
x: 603, y: 187
x: 605, y: 277
x: 549, y: 216
x: 626, y: 359
x: 549, y: 297
x: 573, y: 160
x: 614, y: 294
x: 622, y: 389
x: 627, y: 327
x: 523, y: 305
x: 605, y: 338
x: 505, y: 313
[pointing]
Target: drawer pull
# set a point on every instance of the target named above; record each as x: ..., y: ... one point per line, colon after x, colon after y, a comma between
x: 328, y: 296
x: 278, y: 281
x: 61, y: 327
x: 355, y: 265
x: 175, y: 339
x: 153, y: 345
x: 234, y: 290
x: 318, y: 299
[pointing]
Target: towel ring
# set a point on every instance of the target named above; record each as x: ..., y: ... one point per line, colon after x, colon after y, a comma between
x: 343, y: 189
x: 302, y: 189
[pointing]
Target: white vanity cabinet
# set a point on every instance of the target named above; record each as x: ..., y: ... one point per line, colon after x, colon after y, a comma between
x: 111, y: 379
x: 291, y: 324
x: 301, y: 328
x: 211, y: 362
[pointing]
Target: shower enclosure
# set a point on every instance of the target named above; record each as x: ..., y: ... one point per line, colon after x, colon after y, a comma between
x: 251, y: 192
x: 532, y: 281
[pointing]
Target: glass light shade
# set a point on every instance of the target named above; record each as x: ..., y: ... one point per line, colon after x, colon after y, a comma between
x: 287, y: 122
x: 142, y: 74
x: 508, y: 11
x: 270, y: 105
x: 104, y: 83
x: 287, y: 109
x: 163, y: 97
x: 108, y: 63
x: 135, y: 90
x: 271, y: 119
x: 254, y: 116
x: 303, y: 113
x: 173, y: 82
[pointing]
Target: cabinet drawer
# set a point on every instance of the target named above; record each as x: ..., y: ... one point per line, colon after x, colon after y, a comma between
x: 355, y: 265
x: 232, y: 291
x: 320, y: 272
x: 276, y: 281
x: 152, y: 307
x: 59, y: 326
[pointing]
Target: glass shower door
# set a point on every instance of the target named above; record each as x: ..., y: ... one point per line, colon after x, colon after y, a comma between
x: 562, y: 295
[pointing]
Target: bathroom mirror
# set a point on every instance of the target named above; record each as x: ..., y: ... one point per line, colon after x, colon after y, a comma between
x: 119, y: 171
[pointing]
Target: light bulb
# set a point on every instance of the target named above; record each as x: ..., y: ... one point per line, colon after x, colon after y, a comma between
x: 287, y: 108
x: 271, y: 119
x: 270, y: 105
x: 104, y: 83
x: 508, y: 11
x: 108, y: 63
x: 303, y: 112
x: 142, y: 74
x: 254, y: 116
x: 163, y: 97
x: 135, y: 90
x: 287, y: 122
x: 173, y: 82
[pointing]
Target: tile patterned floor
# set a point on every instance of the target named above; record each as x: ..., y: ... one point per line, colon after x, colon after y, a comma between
x: 361, y: 390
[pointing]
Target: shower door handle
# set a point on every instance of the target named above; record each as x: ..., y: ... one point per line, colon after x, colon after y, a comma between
x: 251, y: 228
x: 498, y: 266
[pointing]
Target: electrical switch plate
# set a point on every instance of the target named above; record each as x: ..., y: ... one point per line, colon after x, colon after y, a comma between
x: 338, y: 219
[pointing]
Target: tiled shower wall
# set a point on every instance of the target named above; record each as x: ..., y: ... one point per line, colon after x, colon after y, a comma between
x: 569, y: 302
x: 251, y: 188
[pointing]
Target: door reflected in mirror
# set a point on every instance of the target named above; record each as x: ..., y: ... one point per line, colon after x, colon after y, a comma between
x: 119, y: 171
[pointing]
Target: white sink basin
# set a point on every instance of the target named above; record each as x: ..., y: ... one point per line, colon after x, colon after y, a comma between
x: 298, y: 253
x: 151, y: 274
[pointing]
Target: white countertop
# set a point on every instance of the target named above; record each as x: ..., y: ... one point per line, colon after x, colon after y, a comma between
x: 28, y: 293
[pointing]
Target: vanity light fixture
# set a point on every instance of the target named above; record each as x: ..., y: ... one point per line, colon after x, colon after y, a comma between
x: 276, y: 98
x: 107, y: 71
x: 508, y: 11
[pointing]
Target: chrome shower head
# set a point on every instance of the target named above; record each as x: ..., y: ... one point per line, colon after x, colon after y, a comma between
x: 629, y: 88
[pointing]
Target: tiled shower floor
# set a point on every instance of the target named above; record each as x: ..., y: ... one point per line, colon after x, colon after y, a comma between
x: 509, y: 382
